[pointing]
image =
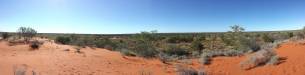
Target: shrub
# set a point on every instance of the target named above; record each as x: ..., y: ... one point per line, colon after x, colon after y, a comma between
x: 274, y: 60
x: 63, y: 40
x: 204, y: 59
x: 106, y: 43
x: 261, y: 57
x: 35, y: 44
x: 164, y: 57
x: 196, y: 46
x: 126, y: 52
x: 214, y: 43
x: 5, y: 35
x: 188, y: 71
x: 145, y: 50
x: 179, y: 39
x: 172, y: 50
x: 267, y: 38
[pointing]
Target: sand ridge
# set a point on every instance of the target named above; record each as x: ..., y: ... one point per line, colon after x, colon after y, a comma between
x: 55, y: 59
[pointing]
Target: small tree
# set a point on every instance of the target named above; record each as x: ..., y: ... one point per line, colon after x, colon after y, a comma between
x: 236, y: 28
x: 26, y: 32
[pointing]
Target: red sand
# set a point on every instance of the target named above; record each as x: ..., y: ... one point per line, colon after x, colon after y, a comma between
x: 52, y: 59
x: 293, y: 65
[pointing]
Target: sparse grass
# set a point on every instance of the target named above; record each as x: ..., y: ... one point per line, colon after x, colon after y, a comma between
x: 126, y: 52
x: 182, y: 70
x: 204, y: 59
x: 265, y: 56
x: 145, y: 72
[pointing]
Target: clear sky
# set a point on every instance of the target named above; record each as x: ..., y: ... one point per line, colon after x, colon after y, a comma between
x: 132, y: 16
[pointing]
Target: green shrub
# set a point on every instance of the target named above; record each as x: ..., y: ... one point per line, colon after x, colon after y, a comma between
x: 180, y: 39
x: 172, y: 50
x: 106, y: 43
x: 63, y: 40
x: 214, y: 43
x: 145, y: 50
x: 267, y: 38
x: 196, y: 46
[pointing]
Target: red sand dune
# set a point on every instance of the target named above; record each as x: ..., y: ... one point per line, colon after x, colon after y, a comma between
x: 293, y: 65
x: 53, y: 59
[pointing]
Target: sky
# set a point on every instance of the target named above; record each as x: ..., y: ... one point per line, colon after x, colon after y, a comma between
x: 133, y: 16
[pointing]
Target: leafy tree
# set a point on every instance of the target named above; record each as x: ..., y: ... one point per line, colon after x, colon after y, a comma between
x: 236, y: 28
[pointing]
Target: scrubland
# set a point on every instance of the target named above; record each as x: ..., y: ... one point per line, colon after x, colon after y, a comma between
x: 236, y: 52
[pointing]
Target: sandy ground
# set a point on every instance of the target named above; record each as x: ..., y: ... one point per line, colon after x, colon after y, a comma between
x: 54, y: 59
x: 294, y: 63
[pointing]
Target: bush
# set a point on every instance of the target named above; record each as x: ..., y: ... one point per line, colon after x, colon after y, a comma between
x: 262, y: 57
x: 196, y: 46
x: 267, y: 38
x: 126, y: 52
x: 179, y: 39
x: 204, y: 59
x: 172, y: 50
x: 214, y: 43
x: 188, y: 71
x: 35, y: 44
x: 5, y: 35
x: 145, y: 50
x: 63, y: 40
x: 274, y: 60
x: 106, y: 43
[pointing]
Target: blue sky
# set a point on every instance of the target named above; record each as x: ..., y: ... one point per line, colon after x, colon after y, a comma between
x: 132, y: 16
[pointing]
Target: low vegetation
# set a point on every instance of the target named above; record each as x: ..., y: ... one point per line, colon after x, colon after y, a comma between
x: 182, y: 70
x: 5, y: 35
x: 63, y: 40
x: 35, y: 44
x: 265, y: 56
x: 167, y: 48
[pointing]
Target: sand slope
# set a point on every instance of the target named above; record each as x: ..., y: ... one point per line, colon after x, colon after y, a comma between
x: 53, y: 59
